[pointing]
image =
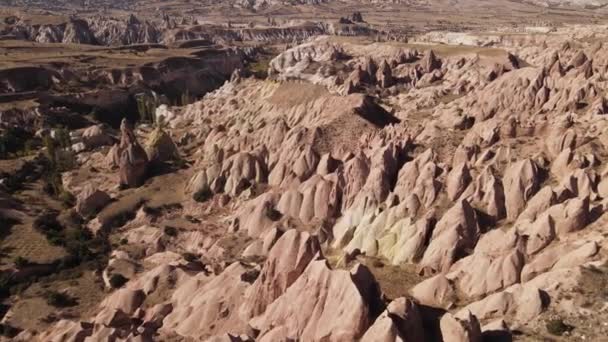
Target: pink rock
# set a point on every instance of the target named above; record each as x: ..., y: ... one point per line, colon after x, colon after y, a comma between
x: 538, y: 204
x: 126, y: 300
x: 385, y: 75
x: 455, y: 232
x: 460, y: 330
x: 66, y: 330
x: 205, y: 307
x: 570, y: 216
x: 430, y: 62
x: 521, y: 182
x: 495, y: 264
x: 540, y: 234
x: 457, y: 181
x: 96, y: 136
x: 486, y: 194
x: 522, y: 302
x: 286, y: 261
x: 437, y: 292
x: 130, y: 157
x: 160, y: 147
x: 90, y: 200
x: 401, y: 321
x: 339, y: 311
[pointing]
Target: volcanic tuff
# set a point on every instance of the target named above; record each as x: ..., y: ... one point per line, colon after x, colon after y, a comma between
x: 297, y: 181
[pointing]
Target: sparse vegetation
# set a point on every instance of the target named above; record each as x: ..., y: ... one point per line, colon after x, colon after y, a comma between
x: 21, y: 262
x: 250, y: 276
x: 78, y: 242
x: 170, y: 231
x: 273, y: 214
x: 117, y: 280
x: 203, y: 195
x: 190, y: 257
x: 30, y: 171
x: 557, y: 327
x: 96, y: 114
x: 8, y: 330
x: 260, y: 67
x: 59, y: 299
x: 47, y: 221
x: 146, y: 107
x: 186, y: 98
x: 62, y: 138
x: 16, y: 142
x: 60, y: 159
x: 180, y: 163
x: 67, y: 199
x: 5, y: 225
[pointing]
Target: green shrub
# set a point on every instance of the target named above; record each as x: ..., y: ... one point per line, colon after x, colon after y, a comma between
x: 190, y: 257
x: 13, y: 141
x: 67, y: 199
x: 55, y: 239
x: 117, y: 280
x: 59, y: 299
x: 557, y: 327
x: 186, y: 98
x: 170, y: 231
x: 62, y: 137
x: 58, y: 152
x: 29, y: 146
x: 21, y: 262
x: 9, y: 331
x: 97, y: 115
x: 5, y: 225
x: 146, y: 107
x: 250, y: 275
x: 78, y: 242
x: 51, y: 146
x: 47, y: 221
x: 273, y: 214
x: 52, y: 183
x: 203, y: 195
x: 181, y: 163
x: 260, y: 68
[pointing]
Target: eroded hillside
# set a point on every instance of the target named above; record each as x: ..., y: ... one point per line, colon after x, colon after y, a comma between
x: 340, y: 180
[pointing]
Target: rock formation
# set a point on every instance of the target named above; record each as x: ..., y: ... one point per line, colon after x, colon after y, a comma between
x: 130, y: 158
x: 361, y: 191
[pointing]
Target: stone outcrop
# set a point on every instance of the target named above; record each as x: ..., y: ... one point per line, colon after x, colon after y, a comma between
x: 402, y: 321
x: 286, y: 261
x: 90, y: 200
x: 160, y: 147
x: 457, y: 231
x: 340, y: 312
x: 129, y: 157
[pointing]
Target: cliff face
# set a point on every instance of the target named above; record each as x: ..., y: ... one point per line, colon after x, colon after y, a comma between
x: 112, y: 32
x: 196, y: 74
x: 80, y: 88
x: 95, y: 31
x: 22, y: 79
x: 260, y: 4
